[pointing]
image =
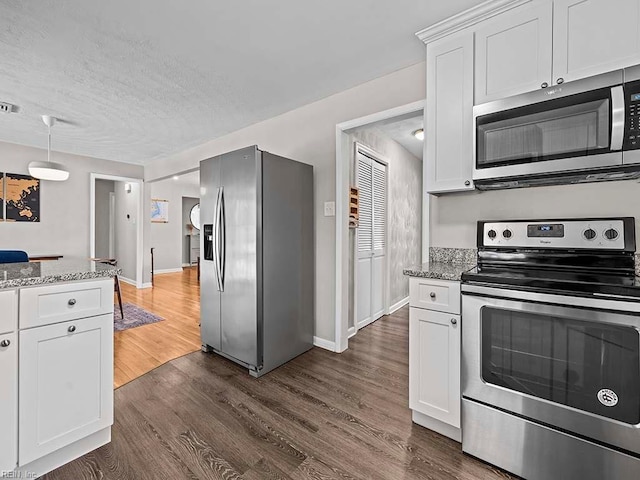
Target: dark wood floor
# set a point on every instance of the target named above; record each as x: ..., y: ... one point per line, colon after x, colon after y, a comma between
x: 321, y: 416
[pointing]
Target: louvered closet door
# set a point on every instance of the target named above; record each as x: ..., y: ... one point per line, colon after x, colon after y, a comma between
x: 371, y: 239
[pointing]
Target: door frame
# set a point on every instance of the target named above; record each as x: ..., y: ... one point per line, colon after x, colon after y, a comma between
x: 138, y: 281
x: 343, y: 153
x: 376, y: 157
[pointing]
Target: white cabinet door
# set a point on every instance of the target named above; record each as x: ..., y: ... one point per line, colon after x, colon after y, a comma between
x: 371, y: 178
x: 449, y: 115
x: 434, y: 364
x: 65, y: 384
x: 514, y: 53
x: 594, y: 36
x: 8, y: 402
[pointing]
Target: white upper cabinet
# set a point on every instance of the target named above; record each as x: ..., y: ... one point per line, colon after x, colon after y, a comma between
x: 513, y: 52
x: 594, y: 36
x: 449, y: 114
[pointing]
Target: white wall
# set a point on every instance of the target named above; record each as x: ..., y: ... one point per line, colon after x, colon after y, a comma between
x: 126, y: 228
x: 308, y: 134
x: 64, y: 206
x: 454, y: 216
x: 166, y: 238
x: 104, y: 188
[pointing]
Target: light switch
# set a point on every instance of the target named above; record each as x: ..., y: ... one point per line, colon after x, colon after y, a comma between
x: 329, y: 209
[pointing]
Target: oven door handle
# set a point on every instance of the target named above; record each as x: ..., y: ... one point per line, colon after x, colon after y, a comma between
x: 618, y: 115
x: 557, y: 300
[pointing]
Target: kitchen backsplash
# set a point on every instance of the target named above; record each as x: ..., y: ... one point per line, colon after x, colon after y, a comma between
x: 456, y: 256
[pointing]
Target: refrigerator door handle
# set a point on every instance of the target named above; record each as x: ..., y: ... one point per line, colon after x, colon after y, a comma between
x: 223, y: 238
x: 216, y: 240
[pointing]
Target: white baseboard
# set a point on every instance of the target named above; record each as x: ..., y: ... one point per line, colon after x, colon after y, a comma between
x: 397, y: 306
x: 147, y: 285
x: 167, y: 270
x: 366, y: 322
x: 186, y: 265
x: 128, y: 280
x: 442, y: 428
x: 351, y: 332
x: 326, y: 344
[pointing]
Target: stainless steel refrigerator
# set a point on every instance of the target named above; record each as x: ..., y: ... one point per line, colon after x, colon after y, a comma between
x: 257, y: 258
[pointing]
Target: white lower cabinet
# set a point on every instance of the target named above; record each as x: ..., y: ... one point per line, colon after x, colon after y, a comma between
x: 8, y: 402
x: 65, y: 384
x: 434, y: 365
x: 434, y: 355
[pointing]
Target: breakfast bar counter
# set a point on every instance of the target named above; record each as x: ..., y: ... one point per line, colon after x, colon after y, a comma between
x: 16, y: 275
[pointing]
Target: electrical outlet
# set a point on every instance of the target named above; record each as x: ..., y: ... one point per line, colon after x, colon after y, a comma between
x: 329, y: 209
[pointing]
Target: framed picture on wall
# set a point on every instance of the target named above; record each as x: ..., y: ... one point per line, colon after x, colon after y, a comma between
x: 159, y: 211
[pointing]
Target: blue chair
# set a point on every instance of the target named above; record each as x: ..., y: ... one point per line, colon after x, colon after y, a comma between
x: 13, y: 256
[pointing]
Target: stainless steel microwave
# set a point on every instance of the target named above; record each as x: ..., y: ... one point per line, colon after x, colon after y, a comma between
x: 582, y: 131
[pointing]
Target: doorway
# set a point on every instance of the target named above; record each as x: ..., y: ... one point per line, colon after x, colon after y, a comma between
x: 115, y: 226
x: 390, y: 139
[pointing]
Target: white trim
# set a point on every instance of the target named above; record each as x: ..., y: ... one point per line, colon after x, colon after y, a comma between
x: 342, y: 214
x: 326, y: 344
x: 167, y: 270
x: 185, y: 265
x: 366, y: 322
x: 431, y: 423
x: 467, y: 18
x: 147, y: 285
x: 127, y: 280
x: 140, y: 221
x: 398, y: 305
x: 351, y: 332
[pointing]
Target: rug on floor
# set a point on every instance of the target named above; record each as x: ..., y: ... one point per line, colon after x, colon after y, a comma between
x: 134, y: 316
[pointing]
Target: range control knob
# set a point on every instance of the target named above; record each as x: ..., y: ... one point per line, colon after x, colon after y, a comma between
x: 492, y: 234
x: 507, y: 233
x: 589, y: 234
x: 611, y: 234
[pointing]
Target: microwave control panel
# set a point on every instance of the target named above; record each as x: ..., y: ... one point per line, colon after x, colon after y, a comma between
x: 632, y: 122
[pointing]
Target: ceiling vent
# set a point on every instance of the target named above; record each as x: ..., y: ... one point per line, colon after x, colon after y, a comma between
x: 7, y: 108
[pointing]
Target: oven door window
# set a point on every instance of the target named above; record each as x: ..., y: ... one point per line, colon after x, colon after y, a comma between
x: 567, y: 127
x: 594, y: 367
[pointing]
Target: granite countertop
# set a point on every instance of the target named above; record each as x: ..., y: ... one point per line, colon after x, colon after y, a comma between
x: 439, y: 270
x: 70, y: 269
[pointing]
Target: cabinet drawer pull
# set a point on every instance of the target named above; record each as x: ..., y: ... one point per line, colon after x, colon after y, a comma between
x: 467, y: 183
x: 432, y: 294
x: 560, y: 81
x: 72, y: 302
x: 71, y: 329
x: 453, y: 321
x: 544, y: 85
x: 5, y: 343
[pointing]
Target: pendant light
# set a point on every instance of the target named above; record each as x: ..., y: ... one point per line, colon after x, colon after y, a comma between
x: 48, y: 170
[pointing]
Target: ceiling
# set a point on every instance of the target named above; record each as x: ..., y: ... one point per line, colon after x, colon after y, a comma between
x: 139, y: 80
x: 401, y: 131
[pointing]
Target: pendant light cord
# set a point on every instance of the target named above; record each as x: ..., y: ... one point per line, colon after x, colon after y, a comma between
x: 49, y: 146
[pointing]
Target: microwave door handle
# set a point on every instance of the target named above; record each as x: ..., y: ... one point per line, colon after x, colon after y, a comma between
x: 618, y: 115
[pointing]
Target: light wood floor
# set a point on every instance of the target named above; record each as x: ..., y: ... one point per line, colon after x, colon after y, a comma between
x: 321, y: 416
x: 176, y: 298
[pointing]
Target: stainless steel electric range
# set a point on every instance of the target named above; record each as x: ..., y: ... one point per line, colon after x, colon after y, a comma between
x: 551, y: 349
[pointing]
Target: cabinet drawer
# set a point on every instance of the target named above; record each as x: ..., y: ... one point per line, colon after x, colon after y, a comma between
x: 68, y: 301
x: 8, y: 311
x: 440, y: 295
